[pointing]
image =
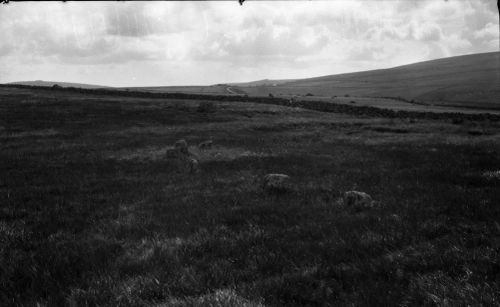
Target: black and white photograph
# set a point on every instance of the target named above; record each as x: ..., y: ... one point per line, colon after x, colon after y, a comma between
x: 252, y: 153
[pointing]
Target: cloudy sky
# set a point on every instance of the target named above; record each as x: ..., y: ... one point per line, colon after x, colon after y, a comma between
x: 188, y: 43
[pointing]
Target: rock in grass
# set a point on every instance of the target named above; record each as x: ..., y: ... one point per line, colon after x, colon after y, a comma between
x: 276, y: 182
x: 358, y: 200
x: 205, y: 144
x: 174, y: 153
x: 182, y: 146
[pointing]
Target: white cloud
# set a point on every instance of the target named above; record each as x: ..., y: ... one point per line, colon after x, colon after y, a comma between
x: 427, y: 32
x: 161, y: 43
x: 490, y: 31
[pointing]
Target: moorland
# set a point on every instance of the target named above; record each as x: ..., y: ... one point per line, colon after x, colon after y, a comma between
x: 91, y: 213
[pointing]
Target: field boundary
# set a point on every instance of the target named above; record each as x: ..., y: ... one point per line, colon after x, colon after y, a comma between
x: 321, y: 106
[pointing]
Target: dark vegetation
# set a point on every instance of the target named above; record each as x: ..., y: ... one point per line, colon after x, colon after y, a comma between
x: 322, y: 106
x: 91, y: 216
x: 207, y: 107
x: 399, y: 98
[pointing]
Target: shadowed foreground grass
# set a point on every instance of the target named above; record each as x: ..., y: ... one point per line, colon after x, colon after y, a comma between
x: 91, y: 214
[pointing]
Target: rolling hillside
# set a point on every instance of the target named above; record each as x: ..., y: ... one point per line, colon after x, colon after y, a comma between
x: 462, y: 80
x: 63, y: 84
x: 470, y: 81
x: 265, y: 82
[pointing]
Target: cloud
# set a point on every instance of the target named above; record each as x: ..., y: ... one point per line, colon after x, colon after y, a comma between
x: 193, y: 42
x: 139, y: 19
x: 5, y: 48
x: 490, y: 31
x: 427, y: 32
x: 74, y: 36
x: 489, y: 35
x: 267, y: 43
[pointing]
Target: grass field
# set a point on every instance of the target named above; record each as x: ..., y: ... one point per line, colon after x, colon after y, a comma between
x: 205, y: 90
x: 91, y: 214
x: 399, y: 104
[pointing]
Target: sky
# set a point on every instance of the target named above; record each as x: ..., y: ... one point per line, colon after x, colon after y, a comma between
x: 201, y: 43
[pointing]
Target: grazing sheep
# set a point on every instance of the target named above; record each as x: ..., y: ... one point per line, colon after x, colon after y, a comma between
x: 181, y: 159
x: 276, y: 182
x: 358, y: 200
x: 205, y: 145
x: 194, y: 166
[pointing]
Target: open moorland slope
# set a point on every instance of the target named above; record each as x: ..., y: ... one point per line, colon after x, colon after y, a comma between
x: 469, y: 80
x: 62, y: 84
x: 93, y: 214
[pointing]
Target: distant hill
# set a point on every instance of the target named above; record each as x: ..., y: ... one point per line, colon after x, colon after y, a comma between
x: 462, y: 80
x: 471, y: 81
x: 62, y: 84
x: 192, y: 89
x: 266, y: 82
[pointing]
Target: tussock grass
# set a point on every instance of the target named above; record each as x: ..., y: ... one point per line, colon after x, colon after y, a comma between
x: 92, y: 216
